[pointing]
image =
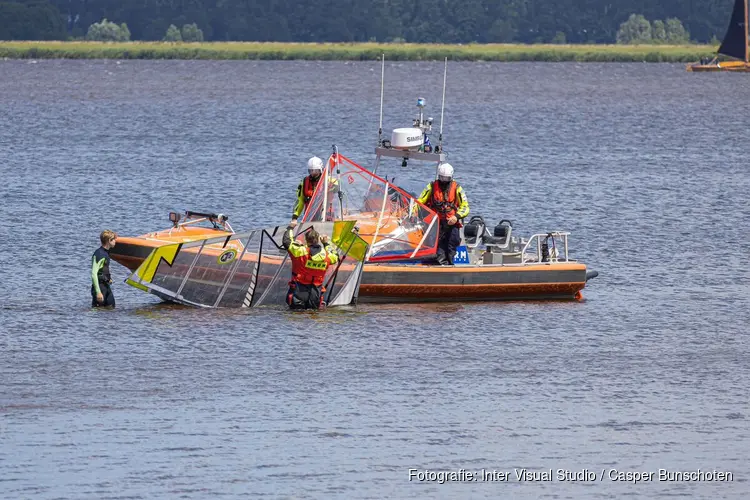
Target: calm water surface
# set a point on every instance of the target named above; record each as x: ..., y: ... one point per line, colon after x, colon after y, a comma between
x: 645, y: 164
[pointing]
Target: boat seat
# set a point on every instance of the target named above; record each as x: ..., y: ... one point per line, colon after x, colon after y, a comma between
x: 500, y: 240
x: 496, y: 240
x: 475, y: 231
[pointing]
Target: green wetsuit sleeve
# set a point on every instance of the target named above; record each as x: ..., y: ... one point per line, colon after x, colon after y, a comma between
x: 95, y: 268
x: 463, y: 205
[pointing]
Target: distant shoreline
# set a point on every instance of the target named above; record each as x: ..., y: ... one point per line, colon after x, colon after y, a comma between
x: 353, y: 51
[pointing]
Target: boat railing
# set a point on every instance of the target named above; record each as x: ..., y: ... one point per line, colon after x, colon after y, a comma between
x: 219, y: 222
x: 534, y: 249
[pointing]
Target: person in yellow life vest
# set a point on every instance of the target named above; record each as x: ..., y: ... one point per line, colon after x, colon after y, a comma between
x: 310, y: 262
x: 447, y: 198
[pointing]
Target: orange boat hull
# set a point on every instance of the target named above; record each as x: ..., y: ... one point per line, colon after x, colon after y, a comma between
x: 409, y: 282
x: 734, y: 66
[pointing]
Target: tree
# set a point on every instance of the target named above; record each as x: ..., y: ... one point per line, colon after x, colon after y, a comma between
x: 559, y: 38
x: 444, y: 21
x: 191, y: 33
x: 676, y: 32
x: 124, y: 32
x: 635, y: 30
x: 501, y: 31
x: 107, y: 31
x: 658, y: 33
x: 37, y: 20
x: 172, y: 34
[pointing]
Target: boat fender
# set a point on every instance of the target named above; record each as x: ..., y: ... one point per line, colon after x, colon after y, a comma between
x: 591, y: 275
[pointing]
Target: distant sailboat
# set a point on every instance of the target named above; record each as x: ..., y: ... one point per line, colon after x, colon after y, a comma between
x: 735, y: 44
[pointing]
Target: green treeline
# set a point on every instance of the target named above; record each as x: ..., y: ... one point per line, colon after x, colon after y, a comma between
x: 30, y: 20
x: 416, y: 21
x: 354, y: 51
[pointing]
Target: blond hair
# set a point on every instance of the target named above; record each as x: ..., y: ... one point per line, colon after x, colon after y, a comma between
x: 107, y: 236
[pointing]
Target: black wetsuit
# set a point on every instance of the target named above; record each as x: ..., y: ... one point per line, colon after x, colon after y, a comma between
x: 100, y: 276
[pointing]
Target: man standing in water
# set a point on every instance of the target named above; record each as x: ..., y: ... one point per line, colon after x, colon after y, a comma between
x: 447, y: 198
x: 101, y: 292
x: 309, y: 265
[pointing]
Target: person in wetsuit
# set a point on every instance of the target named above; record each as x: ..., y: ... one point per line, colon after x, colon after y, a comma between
x: 309, y: 265
x: 447, y: 198
x: 101, y: 291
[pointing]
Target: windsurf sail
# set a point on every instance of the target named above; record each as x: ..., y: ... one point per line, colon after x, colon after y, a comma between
x: 735, y: 39
x: 246, y: 269
x: 393, y: 223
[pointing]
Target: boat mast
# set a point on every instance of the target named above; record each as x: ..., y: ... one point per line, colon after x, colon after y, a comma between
x: 382, y: 84
x: 442, y: 108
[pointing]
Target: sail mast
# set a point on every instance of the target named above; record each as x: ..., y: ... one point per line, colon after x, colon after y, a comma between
x: 745, y: 23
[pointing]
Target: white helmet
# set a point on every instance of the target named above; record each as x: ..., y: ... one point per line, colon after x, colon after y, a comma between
x: 314, y: 164
x: 445, y: 172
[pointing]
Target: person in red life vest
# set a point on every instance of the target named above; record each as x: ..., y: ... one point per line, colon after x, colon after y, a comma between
x: 306, y: 188
x: 310, y: 262
x: 447, y: 198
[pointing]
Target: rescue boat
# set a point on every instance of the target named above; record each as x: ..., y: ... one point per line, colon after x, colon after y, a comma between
x: 401, y: 234
x: 490, y: 265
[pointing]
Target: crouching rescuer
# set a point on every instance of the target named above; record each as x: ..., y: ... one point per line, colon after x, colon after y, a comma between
x: 310, y: 262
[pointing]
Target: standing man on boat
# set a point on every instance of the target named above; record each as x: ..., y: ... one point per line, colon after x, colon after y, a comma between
x: 306, y: 188
x: 309, y: 265
x: 101, y: 292
x: 447, y: 198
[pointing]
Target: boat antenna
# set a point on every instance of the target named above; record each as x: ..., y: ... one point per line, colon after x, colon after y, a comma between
x: 382, y: 83
x: 338, y: 177
x: 442, y: 110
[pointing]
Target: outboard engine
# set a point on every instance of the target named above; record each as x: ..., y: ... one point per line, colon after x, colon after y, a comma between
x: 474, y: 230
